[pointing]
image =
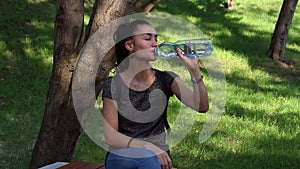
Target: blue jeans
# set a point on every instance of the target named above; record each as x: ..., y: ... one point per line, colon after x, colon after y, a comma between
x: 132, y: 158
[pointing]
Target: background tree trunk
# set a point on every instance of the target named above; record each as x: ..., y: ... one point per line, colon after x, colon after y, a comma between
x: 230, y: 4
x: 280, y: 35
x: 139, y: 7
x: 60, y: 127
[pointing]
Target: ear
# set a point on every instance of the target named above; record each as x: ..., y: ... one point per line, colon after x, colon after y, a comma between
x: 129, y: 45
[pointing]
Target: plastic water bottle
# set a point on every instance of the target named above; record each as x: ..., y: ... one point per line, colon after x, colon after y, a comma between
x: 192, y: 48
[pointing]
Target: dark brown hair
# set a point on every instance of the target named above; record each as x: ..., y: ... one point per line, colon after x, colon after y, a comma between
x: 124, y: 33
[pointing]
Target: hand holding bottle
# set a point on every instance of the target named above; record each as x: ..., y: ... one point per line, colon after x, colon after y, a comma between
x: 191, y: 63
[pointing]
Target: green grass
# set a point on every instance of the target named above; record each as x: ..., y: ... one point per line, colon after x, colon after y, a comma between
x: 261, y: 121
x: 26, y: 43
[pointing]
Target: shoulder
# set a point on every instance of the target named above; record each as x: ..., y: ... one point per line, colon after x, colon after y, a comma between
x: 111, y: 82
x: 166, y: 79
x: 166, y: 74
x: 107, y: 81
x: 107, y: 89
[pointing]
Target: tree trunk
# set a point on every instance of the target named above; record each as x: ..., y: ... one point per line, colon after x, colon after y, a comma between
x: 280, y: 35
x: 60, y: 127
x: 139, y: 7
x: 230, y: 4
x: 103, y: 13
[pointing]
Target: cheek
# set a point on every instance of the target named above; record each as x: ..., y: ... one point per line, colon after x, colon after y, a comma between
x: 146, y: 45
x: 141, y: 46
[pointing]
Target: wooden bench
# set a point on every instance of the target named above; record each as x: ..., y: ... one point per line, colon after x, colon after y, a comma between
x: 83, y: 165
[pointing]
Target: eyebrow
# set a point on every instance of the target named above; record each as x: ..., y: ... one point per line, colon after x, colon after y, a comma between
x: 149, y: 34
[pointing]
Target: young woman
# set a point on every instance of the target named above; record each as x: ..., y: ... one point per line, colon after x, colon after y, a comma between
x: 135, y: 100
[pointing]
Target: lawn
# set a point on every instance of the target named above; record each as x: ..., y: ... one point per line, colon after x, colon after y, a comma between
x: 259, y: 125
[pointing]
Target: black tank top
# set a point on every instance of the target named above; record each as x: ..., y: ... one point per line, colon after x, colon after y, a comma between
x: 142, y: 114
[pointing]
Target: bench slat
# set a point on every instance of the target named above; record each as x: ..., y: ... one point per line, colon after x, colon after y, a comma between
x: 83, y: 165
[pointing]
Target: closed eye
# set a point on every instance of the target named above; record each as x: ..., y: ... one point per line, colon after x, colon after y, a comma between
x: 149, y: 36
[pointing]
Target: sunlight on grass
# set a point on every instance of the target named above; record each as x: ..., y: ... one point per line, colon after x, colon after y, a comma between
x: 260, y: 112
x: 261, y: 123
x: 193, y: 19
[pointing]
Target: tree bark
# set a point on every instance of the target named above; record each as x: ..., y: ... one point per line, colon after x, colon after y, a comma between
x: 139, y: 7
x: 280, y: 35
x: 60, y: 127
x: 103, y: 13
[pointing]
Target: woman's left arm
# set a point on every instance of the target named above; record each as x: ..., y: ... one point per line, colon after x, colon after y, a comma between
x: 198, y: 98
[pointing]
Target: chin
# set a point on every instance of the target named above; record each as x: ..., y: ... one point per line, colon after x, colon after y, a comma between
x: 154, y: 58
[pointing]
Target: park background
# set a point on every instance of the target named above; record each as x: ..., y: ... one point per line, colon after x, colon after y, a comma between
x: 261, y: 123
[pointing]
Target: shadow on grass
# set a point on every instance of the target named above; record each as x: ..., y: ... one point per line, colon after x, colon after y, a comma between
x: 229, y: 148
x: 258, y: 150
x: 259, y: 156
x: 252, y: 44
x: 27, y: 35
x: 26, y: 43
x: 232, y: 34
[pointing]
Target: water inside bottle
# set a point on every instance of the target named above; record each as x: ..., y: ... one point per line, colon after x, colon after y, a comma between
x: 194, y: 48
x: 197, y: 48
x: 167, y: 50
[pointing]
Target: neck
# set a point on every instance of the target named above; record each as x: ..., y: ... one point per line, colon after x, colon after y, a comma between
x: 138, y: 79
x: 139, y: 74
x: 139, y: 71
x: 144, y: 75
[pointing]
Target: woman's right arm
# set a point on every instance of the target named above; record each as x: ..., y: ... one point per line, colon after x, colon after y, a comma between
x: 117, y: 139
x: 111, y: 134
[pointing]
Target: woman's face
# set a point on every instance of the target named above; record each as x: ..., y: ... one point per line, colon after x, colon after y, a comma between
x: 143, y: 43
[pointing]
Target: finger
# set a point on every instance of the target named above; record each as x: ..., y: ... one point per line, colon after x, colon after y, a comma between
x: 169, y: 160
x: 179, y: 52
x: 162, y: 163
x: 181, y: 55
x: 166, y: 162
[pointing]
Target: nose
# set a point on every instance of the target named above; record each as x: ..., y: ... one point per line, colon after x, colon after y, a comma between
x: 155, y: 44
